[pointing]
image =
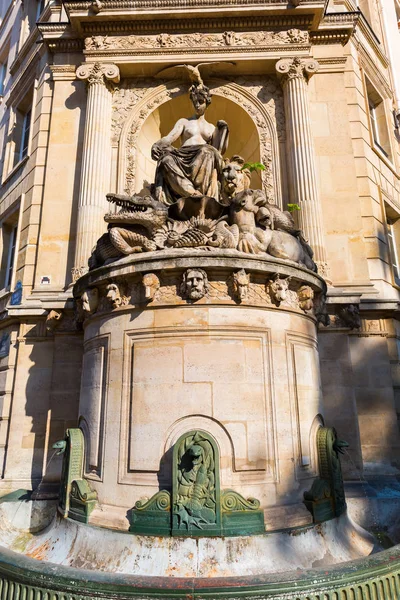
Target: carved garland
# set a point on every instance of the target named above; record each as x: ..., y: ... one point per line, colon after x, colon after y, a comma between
x: 132, y: 106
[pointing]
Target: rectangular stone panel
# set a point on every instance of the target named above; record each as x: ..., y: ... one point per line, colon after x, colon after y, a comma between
x: 220, y: 376
x: 306, y: 396
x: 92, y: 403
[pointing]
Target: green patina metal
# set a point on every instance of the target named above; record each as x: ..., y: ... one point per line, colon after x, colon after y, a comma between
x: 152, y: 517
x: 241, y: 516
x: 77, y: 500
x: 376, y: 577
x: 196, y: 492
x: 197, y: 506
x: 326, y: 498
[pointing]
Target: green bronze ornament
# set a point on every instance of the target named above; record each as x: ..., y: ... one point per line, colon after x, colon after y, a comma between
x: 77, y: 500
x: 197, y: 506
x: 326, y: 499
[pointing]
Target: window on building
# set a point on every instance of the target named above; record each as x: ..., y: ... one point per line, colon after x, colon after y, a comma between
x: 3, y: 75
x: 378, y: 121
x: 21, y: 132
x: 5, y: 50
x: 40, y: 8
x: 393, y: 239
x: 393, y: 234
x: 9, y: 233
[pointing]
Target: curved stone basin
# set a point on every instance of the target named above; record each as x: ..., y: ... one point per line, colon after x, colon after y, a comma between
x: 54, y: 564
x: 69, y: 543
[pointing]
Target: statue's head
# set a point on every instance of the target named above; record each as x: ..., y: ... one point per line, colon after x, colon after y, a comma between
x: 151, y: 284
x: 195, y: 453
x: 235, y: 179
x: 195, y: 284
x: 241, y: 283
x: 114, y: 295
x: 90, y: 300
x: 200, y: 97
x: 278, y: 288
x: 305, y: 293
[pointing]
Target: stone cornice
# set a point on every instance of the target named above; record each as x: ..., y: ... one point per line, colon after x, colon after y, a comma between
x: 332, y: 36
x: 233, y: 52
x: 118, y: 5
x: 335, y: 28
x: 340, y: 20
x: 63, y: 72
x: 196, y: 25
x: 65, y: 45
x: 365, y: 29
x: 334, y: 64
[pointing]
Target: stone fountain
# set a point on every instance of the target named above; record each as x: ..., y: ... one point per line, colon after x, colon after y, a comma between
x: 201, y: 462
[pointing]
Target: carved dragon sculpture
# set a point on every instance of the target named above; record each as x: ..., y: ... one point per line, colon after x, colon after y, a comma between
x: 143, y: 225
x: 130, y: 230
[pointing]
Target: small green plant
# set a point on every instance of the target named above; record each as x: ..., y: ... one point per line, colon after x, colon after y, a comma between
x: 292, y: 207
x: 256, y: 166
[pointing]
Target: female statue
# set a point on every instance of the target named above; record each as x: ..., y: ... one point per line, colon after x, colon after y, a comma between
x: 195, y: 167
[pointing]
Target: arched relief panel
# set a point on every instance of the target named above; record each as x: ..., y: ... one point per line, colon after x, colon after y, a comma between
x: 154, y: 114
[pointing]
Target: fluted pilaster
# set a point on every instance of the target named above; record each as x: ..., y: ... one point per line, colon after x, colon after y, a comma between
x: 96, y: 159
x: 294, y: 74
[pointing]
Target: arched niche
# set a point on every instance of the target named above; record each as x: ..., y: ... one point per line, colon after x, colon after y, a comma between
x: 252, y: 133
x: 243, y: 140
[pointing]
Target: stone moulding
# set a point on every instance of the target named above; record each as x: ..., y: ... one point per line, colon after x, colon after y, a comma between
x: 377, y: 576
x: 195, y: 24
x: 86, y: 5
x: 220, y: 269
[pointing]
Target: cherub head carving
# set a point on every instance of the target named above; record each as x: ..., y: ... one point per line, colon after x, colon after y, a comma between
x: 278, y: 288
x: 194, y: 284
x: 151, y: 284
x: 90, y: 300
x: 240, y: 284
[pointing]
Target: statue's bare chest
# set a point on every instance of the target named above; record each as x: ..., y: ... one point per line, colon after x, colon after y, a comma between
x: 194, y: 128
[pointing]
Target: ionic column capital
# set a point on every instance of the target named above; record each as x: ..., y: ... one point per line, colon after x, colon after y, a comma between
x: 98, y: 73
x: 296, y: 68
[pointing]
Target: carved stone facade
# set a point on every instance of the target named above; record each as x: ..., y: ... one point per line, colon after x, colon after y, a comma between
x: 248, y: 330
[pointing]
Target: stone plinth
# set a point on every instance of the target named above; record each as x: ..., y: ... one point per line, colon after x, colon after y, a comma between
x: 240, y: 363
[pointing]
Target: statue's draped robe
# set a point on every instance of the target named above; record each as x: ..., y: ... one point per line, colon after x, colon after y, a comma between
x: 188, y: 171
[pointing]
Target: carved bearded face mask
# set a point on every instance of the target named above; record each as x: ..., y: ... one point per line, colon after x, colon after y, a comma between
x: 195, y: 285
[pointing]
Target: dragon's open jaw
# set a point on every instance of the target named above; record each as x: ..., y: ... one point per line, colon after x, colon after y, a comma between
x: 128, y: 210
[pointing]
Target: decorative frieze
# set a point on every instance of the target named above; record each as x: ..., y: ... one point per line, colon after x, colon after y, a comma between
x: 196, y: 284
x: 197, y: 40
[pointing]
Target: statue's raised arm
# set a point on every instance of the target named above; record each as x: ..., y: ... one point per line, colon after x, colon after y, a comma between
x: 195, y: 168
